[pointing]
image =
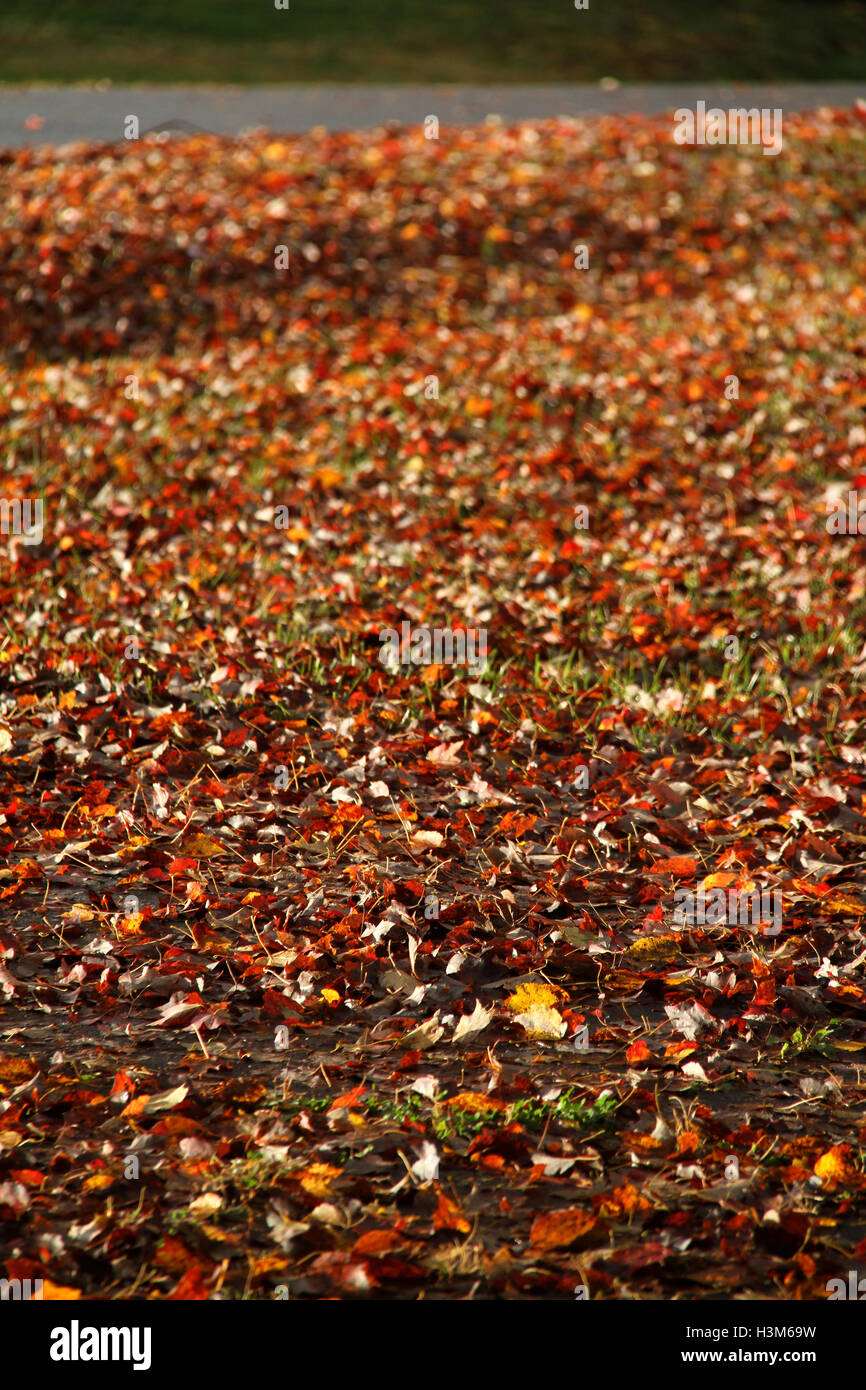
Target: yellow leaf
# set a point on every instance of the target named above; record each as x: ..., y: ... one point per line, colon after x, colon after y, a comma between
x: 99, y: 1180
x: 78, y: 912
x: 534, y: 995
x: 201, y: 847
x: 721, y: 880
x: 651, y: 951
x: 317, y: 1179
x: 832, y: 1167
x: 474, y: 1102
x: 843, y: 902
x: 132, y: 846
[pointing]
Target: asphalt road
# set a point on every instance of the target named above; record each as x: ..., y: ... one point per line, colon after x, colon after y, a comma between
x: 50, y: 115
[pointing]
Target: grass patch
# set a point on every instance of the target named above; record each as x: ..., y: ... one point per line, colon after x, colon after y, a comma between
x: 410, y: 41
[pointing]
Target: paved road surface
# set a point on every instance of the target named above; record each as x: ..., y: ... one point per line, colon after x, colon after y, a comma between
x: 43, y: 114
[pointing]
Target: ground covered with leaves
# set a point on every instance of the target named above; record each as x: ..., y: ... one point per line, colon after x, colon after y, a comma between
x: 323, y: 979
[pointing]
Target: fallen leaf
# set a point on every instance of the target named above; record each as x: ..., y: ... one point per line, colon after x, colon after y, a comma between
x: 449, y: 1216
x: 426, y: 1166
x: 542, y: 1022
x: 680, y: 865
x: 472, y: 1023
x: 427, y: 839
x: 534, y: 995
x: 201, y: 847
x: 558, y: 1230
x: 165, y: 1100
x: 425, y: 1035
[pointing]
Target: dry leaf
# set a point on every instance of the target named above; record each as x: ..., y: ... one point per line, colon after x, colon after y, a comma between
x: 427, y: 839
x: 557, y: 1230
x: 165, y: 1100
x: 425, y: 1035
x: 201, y: 847
x: 542, y: 1022
x: 472, y: 1023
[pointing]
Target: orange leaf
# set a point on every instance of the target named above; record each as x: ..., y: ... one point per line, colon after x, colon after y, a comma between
x: 97, y: 1182
x: 625, y: 1200
x: 350, y: 1098
x: 328, y: 477
x: 134, y: 1108
x: 16, y: 1070
x: 680, y: 864
x: 474, y: 1102
x: 201, y: 847
x: 448, y: 1216
x: 191, y: 1286
x: 58, y: 1293
x: 376, y: 1243
x: 719, y: 880
x: 559, y: 1229
x: 317, y: 1178
x: 833, y: 1166
x: 30, y: 1177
